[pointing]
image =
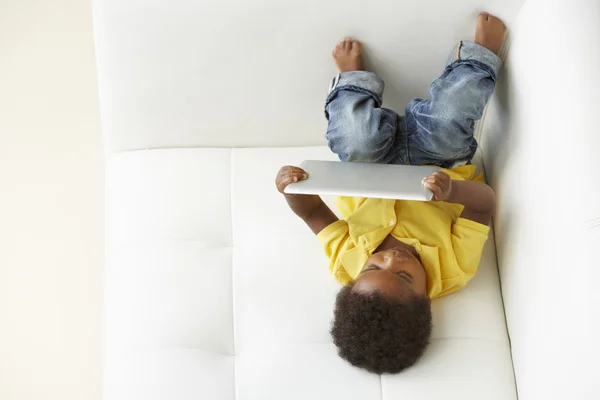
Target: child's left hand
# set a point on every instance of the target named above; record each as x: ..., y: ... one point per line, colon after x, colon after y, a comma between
x: 289, y: 174
x: 440, y: 184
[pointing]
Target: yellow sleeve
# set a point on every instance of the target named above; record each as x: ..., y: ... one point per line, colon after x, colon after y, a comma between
x: 468, y: 238
x: 335, y: 239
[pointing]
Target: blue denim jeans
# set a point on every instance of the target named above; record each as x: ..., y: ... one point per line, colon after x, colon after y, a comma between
x: 438, y: 131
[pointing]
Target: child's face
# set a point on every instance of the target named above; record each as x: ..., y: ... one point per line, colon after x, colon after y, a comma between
x: 394, y: 272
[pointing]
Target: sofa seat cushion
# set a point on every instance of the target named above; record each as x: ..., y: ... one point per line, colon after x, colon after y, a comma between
x: 216, y: 290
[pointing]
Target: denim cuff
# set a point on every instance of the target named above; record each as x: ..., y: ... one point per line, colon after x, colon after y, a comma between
x: 469, y: 51
x: 362, y: 81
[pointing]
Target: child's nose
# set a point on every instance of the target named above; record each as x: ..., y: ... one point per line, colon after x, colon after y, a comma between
x: 390, y: 259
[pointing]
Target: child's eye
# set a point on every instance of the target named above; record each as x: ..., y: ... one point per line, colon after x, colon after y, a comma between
x: 405, y: 275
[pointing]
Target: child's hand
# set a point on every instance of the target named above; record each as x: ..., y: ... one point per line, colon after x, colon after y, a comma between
x: 440, y: 184
x: 289, y: 174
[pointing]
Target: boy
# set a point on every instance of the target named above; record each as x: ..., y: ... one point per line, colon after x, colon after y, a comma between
x: 395, y: 256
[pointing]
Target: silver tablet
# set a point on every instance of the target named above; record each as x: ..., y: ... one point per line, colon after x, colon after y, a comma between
x: 385, y: 181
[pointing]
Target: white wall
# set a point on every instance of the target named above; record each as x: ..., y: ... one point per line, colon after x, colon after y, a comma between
x: 51, y: 203
x: 541, y: 144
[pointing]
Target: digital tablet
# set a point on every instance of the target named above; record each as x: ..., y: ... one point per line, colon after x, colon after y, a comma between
x: 385, y: 181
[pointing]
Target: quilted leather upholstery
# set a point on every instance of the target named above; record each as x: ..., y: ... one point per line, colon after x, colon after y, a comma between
x: 540, y: 148
x: 213, y: 288
x: 231, y: 73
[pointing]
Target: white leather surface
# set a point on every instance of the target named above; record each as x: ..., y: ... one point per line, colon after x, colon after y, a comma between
x: 541, y: 148
x: 194, y: 73
x: 215, y: 290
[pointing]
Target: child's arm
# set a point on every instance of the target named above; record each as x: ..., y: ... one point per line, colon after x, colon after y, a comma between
x: 313, y: 211
x: 478, y: 198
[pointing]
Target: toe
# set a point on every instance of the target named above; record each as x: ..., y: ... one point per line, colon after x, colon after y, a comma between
x: 355, y: 46
x: 483, y: 16
x: 495, y: 20
x: 337, y: 47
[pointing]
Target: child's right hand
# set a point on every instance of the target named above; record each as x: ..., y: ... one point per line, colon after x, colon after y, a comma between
x: 289, y: 174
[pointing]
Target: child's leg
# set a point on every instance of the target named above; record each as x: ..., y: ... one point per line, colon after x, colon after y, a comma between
x: 358, y: 128
x: 441, y: 129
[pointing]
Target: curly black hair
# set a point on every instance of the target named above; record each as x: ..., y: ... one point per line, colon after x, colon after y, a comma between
x: 380, y: 334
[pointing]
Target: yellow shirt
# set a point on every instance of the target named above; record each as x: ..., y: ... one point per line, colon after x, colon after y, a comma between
x: 450, y: 247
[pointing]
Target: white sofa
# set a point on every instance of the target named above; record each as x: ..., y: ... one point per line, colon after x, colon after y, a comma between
x: 215, y: 290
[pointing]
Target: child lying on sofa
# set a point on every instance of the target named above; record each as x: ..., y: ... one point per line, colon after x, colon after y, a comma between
x: 394, y: 256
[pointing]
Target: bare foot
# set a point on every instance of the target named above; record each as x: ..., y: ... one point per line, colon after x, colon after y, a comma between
x: 348, y: 55
x: 490, y: 32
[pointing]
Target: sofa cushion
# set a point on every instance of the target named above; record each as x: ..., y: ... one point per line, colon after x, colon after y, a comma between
x: 215, y: 289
